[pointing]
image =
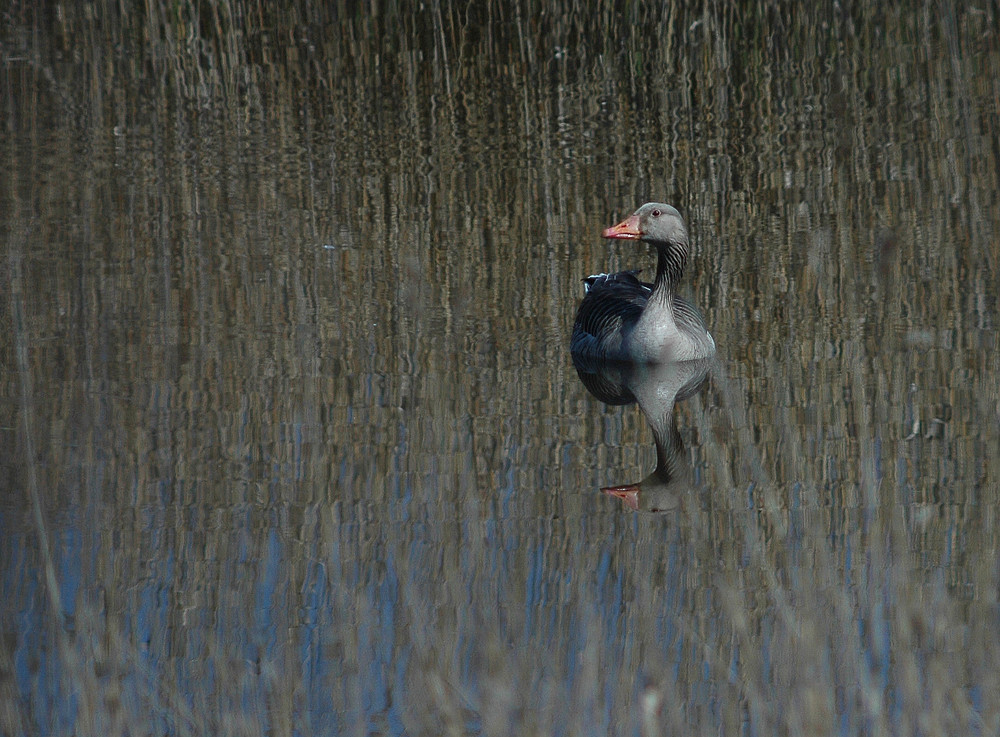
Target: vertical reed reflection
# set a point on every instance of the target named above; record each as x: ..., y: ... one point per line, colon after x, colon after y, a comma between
x: 309, y: 444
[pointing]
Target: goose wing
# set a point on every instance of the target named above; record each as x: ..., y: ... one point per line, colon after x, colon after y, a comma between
x: 611, y: 306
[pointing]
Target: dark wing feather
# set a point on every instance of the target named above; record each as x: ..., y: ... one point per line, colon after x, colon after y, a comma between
x: 612, y: 304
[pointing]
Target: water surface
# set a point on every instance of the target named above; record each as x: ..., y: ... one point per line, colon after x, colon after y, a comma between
x: 294, y: 443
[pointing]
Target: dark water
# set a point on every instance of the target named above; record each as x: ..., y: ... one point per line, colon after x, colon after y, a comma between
x: 293, y: 443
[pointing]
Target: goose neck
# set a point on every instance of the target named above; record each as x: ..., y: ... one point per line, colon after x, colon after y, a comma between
x: 670, y: 260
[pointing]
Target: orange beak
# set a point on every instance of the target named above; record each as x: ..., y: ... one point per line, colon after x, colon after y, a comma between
x: 628, y: 494
x: 627, y: 229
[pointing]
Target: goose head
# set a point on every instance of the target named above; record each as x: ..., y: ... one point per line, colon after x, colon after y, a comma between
x: 654, y: 222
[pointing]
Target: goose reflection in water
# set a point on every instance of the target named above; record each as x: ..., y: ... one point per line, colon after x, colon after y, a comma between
x: 656, y: 387
x: 639, y: 342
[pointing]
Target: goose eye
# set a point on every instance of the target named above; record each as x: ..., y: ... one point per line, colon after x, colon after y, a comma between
x: 656, y: 213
